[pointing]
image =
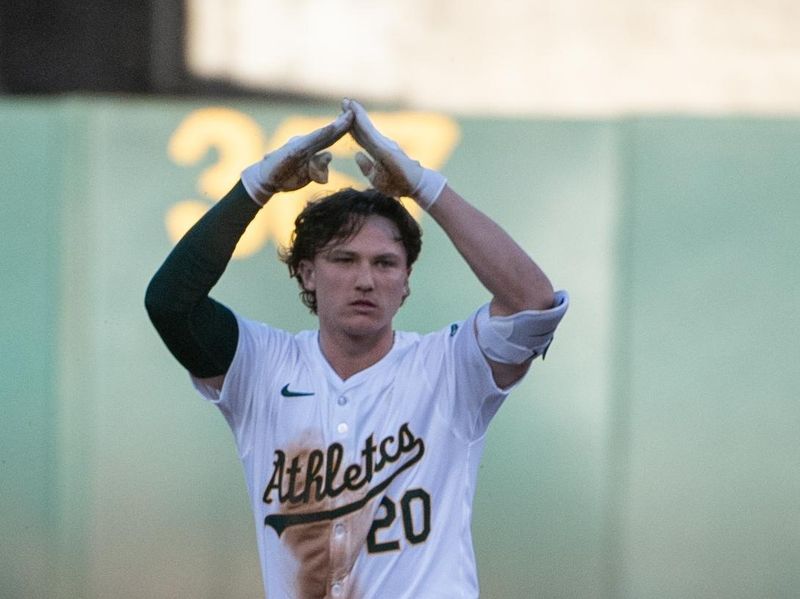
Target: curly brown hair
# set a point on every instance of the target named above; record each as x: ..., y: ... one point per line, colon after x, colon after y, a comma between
x: 338, y: 217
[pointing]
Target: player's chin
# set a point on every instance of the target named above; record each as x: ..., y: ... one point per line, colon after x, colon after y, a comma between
x: 367, y: 323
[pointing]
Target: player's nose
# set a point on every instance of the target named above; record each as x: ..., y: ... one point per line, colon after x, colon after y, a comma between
x: 364, y: 278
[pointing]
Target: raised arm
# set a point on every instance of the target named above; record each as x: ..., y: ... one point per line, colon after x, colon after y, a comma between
x: 201, y: 333
x: 501, y: 265
x: 516, y: 283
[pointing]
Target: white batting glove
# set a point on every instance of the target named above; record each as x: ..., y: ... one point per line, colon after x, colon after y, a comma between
x: 295, y: 164
x: 389, y: 169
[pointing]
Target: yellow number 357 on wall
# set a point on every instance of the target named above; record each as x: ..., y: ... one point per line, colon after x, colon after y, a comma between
x: 238, y: 141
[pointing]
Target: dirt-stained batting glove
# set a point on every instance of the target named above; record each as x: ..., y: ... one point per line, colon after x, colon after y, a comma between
x: 387, y: 167
x: 295, y: 164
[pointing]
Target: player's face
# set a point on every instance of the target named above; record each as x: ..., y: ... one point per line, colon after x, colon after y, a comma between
x: 360, y: 282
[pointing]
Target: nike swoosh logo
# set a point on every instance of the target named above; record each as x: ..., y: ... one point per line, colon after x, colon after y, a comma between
x: 286, y: 392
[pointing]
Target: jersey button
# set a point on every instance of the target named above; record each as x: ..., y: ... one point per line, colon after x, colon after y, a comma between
x: 338, y: 530
x: 336, y: 589
x: 342, y: 428
x: 342, y: 401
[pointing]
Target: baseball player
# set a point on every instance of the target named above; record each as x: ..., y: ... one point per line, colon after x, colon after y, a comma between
x: 360, y: 444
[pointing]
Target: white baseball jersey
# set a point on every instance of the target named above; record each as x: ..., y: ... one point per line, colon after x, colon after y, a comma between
x: 362, y: 487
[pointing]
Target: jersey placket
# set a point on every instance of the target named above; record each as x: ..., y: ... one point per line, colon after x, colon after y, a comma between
x: 340, y: 416
x: 344, y: 425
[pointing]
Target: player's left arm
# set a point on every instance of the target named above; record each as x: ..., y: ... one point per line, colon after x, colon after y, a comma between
x: 516, y: 282
x: 519, y: 288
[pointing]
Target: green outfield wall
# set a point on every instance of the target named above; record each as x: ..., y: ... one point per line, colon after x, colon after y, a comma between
x: 654, y: 454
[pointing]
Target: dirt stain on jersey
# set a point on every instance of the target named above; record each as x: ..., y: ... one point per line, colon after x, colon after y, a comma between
x: 326, y: 551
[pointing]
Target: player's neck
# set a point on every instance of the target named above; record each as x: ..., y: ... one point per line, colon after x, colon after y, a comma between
x: 349, y: 354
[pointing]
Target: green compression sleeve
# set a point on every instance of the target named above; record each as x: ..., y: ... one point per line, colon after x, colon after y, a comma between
x: 200, y: 332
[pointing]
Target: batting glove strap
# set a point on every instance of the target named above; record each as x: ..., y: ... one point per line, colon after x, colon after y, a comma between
x: 256, y: 188
x: 429, y: 188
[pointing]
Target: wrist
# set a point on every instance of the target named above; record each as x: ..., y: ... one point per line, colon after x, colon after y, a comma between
x: 259, y: 191
x: 429, y: 188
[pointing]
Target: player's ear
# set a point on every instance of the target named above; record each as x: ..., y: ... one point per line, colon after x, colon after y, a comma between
x: 306, y: 271
x: 406, y: 288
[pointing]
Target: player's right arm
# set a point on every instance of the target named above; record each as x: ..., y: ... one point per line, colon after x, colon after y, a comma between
x: 200, y: 332
x: 521, y: 292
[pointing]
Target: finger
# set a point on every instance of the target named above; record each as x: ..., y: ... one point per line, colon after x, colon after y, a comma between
x: 364, y: 131
x: 365, y: 165
x: 329, y: 134
x: 318, y: 167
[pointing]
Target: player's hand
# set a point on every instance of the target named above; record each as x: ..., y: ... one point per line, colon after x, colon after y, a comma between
x: 297, y: 163
x: 387, y: 167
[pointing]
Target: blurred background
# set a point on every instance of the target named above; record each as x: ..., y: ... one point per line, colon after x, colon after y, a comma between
x: 646, y: 154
